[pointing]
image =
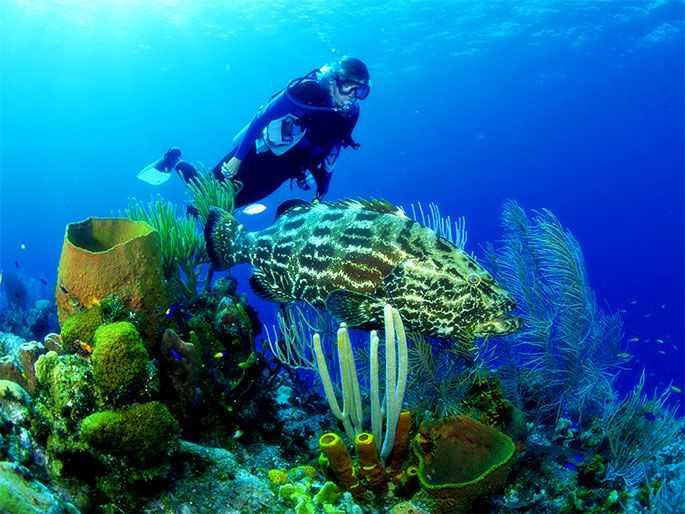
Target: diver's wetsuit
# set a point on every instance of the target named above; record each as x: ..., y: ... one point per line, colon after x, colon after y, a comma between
x: 260, y: 174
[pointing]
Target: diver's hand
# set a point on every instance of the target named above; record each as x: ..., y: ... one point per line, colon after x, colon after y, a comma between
x: 230, y: 169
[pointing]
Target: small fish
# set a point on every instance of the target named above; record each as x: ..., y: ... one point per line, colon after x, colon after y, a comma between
x: 17, y: 265
x: 0, y: 277
x: 676, y: 389
x: 237, y: 434
x: 675, y: 347
x: 176, y: 309
x: 661, y: 352
x: 175, y: 355
x: 571, y: 467
x: 219, y: 355
x: 22, y: 246
x: 624, y: 355
x: 63, y: 289
x: 634, y: 340
x: 660, y: 341
x: 255, y: 208
x: 85, y: 347
x: 633, y: 302
x: 648, y: 315
x: 43, y: 281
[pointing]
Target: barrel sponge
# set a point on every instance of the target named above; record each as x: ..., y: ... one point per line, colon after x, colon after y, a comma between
x: 460, y: 460
x: 120, y: 363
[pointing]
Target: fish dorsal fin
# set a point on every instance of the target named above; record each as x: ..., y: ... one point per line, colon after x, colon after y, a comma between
x: 376, y: 205
x: 356, y: 309
x: 290, y: 205
x: 265, y: 287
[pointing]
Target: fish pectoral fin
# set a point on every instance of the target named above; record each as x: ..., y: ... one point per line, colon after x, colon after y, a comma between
x: 268, y: 289
x: 356, y: 309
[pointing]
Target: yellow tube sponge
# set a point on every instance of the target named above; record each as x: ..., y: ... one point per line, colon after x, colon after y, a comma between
x: 370, y: 466
x: 399, y: 449
x: 339, y: 459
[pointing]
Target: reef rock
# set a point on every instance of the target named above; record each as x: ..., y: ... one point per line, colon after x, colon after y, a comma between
x: 21, y: 494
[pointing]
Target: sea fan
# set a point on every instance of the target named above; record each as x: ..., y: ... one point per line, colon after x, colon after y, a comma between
x: 570, y: 344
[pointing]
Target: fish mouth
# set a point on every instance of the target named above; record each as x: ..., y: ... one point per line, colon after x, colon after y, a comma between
x: 499, y: 326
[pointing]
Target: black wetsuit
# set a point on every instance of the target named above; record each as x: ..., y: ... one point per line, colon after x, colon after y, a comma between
x: 327, y: 131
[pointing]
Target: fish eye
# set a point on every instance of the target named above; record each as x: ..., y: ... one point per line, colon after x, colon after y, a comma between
x: 473, y: 279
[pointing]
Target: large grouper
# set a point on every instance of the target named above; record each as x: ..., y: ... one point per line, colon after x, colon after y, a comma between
x: 351, y: 257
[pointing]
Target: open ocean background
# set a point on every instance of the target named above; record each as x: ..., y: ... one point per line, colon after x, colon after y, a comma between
x: 571, y: 105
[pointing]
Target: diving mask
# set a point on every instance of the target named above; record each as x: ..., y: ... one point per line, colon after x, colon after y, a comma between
x: 359, y: 90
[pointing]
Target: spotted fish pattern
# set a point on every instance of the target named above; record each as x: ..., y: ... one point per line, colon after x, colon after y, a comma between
x: 352, y: 257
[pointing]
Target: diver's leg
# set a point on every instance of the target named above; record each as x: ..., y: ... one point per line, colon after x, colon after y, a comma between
x: 187, y: 171
x: 259, y: 176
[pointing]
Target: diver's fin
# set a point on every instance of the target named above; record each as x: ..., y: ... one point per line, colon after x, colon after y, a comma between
x: 151, y: 175
x: 289, y: 205
x: 226, y: 239
x: 356, y: 309
x: 159, y: 172
x: 267, y: 289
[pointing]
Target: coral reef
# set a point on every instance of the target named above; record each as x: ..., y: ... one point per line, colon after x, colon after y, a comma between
x: 17, y: 360
x: 24, y: 310
x: 169, y: 402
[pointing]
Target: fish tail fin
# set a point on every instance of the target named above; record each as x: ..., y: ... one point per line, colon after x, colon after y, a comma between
x: 226, y: 239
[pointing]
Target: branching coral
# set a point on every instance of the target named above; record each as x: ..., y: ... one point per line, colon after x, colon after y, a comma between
x: 208, y: 192
x: 571, y: 344
x: 182, y: 245
x: 438, y: 378
x: 637, y: 428
x: 291, y: 343
x: 441, y: 225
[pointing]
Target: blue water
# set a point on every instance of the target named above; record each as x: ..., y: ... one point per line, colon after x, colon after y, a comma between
x: 573, y: 106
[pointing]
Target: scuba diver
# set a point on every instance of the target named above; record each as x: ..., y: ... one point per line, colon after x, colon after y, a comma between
x: 301, y: 130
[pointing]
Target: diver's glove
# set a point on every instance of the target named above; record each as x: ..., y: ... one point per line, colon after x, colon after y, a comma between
x: 351, y: 143
x: 302, y: 183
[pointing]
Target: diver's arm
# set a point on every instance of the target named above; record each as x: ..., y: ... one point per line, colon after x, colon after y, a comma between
x: 351, y: 124
x: 277, y: 108
x: 322, y: 177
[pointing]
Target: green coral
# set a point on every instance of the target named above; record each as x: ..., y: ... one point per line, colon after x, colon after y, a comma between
x: 65, y: 397
x: 114, y: 309
x: 66, y: 388
x: 144, y: 433
x: 299, y: 491
x: 121, y: 364
x: 208, y: 192
x: 81, y: 327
